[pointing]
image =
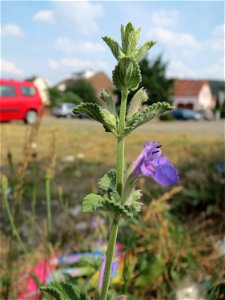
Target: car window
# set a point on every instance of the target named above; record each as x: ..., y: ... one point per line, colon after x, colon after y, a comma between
x: 27, y: 90
x: 7, y: 90
x: 71, y: 106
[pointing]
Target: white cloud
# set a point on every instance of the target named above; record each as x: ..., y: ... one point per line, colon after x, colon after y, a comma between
x: 173, y: 38
x: 216, y: 70
x: 73, y: 64
x: 82, y: 14
x: 217, y: 39
x: 12, y: 30
x: 44, y: 16
x: 66, y: 45
x: 10, y: 68
x: 53, y: 64
x: 179, y: 69
x: 164, y: 17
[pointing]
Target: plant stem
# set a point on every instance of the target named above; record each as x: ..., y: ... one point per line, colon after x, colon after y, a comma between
x: 11, y: 219
x: 48, y: 199
x: 119, y: 186
x: 34, y: 188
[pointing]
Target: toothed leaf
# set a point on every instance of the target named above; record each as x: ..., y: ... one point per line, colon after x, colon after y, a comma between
x: 130, y: 39
x: 113, y: 202
x: 114, y: 47
x: 140, y: 118
x: 101, y: 115
x: 108, y: 182
x: 127, y: 74
x: 91, y: 202
x: 142, y: 50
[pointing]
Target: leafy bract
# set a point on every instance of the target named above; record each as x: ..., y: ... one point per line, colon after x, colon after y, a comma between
x: 63, y: 291
x: 114, y: 46
x: 151, y: 112
x: 108, y: 182
x: 143, y: 49
x: 136, y: 102
x: 130, y: 38
x: 91, y: 202
x: 127, y: 74
x: 107, y: 98
x: 129, y: 44
x: 94, y: 111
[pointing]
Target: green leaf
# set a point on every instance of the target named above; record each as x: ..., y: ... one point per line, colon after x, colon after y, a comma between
x: 114, y: 46
x: 136, y: 102
x: 151, y: 273
x: 113, y: 202
x: 130, y: 38
x: 143, y: 49
x: 127, y: 74
x: 64, y: 291
x: 108, y: 182
x: 107, y: 98
x: 122, y: 31
x: 101, y: 115
x: 110, y: 121
x: 91, y: 202
x: 146, y: 115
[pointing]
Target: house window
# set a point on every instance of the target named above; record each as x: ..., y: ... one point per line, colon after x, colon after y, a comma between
x: 7, y: 90
x: 189, y: 105
x: 27, y: 90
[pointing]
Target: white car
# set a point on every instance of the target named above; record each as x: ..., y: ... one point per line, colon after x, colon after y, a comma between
x: 64, y: 110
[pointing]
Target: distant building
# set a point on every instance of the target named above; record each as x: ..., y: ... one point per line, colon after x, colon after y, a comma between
x: 193, y: 94
x: 98, y: 80
x: 42, y: 86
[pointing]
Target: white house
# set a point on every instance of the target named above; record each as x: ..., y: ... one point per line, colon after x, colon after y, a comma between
x: 193, y: 94
x: 42, y: 86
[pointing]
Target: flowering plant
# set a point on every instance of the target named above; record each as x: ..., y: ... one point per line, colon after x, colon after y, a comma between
x: 118, y: 193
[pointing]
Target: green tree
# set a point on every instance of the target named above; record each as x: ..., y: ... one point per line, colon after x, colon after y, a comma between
x: 55, y: 96
x: 71, y: 97
x: 154, y: 80
x: 83, y: 89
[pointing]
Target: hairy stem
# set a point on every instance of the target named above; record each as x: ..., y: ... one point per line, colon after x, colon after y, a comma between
x: 119, y: 185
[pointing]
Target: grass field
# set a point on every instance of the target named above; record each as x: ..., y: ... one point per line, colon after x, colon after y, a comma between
x: 88, y: 137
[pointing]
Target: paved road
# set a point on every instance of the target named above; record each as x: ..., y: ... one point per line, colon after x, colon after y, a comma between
x: 201, y: 128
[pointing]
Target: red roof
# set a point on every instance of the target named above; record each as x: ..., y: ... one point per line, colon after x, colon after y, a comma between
x: 188, y: 87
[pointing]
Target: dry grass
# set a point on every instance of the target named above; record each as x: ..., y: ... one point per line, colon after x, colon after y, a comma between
x: 88, y: 137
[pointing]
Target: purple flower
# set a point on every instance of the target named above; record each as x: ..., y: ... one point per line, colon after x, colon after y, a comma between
x: 151, y: 163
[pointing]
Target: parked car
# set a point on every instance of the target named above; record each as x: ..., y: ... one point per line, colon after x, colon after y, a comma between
x: 19, y: 100
x: 186, y: 114
x: 64, y: 110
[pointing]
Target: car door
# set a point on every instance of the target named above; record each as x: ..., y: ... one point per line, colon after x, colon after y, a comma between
x: 9, y: 104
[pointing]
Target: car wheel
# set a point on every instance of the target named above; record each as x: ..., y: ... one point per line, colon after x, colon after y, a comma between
x: 31, y: 117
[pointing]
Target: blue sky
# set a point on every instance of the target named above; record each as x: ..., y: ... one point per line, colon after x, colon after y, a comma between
x: 53, y: 39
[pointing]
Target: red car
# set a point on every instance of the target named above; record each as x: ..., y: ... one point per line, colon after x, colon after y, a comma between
x: 19, y: 100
